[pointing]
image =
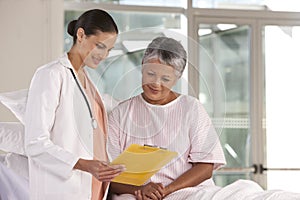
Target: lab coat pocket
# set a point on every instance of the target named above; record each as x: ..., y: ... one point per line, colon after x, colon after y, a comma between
x: 55, y: 185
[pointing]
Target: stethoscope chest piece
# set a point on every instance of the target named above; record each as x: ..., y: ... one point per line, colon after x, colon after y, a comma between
x: 94, y: 123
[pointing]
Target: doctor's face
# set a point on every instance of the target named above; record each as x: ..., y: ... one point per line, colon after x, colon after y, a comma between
x: 157, y: 80
x: 95, y: 48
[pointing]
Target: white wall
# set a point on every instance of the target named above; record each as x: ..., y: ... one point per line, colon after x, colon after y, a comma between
x: 31, y: 35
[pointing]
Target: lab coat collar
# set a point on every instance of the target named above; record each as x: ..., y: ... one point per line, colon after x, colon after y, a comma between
x: 64, y: 60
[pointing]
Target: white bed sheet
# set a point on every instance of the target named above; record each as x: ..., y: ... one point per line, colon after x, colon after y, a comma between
x: 15, y: 187
x: 244, y: 190
x: 12, y: 185
x: 239, y: 190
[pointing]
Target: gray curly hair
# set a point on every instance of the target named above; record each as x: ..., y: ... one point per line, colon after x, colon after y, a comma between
x: 168, y: 51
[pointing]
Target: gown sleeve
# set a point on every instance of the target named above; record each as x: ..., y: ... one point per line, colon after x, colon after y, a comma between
x: 205, y: 143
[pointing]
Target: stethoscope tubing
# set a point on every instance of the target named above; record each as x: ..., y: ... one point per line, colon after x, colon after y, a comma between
x: 94, y: 122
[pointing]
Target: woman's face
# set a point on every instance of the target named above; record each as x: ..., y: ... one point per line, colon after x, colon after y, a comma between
x: 95, y: 48
x: 157, y: 80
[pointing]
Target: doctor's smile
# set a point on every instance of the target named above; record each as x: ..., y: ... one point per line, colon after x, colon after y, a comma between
x: 96, y: 60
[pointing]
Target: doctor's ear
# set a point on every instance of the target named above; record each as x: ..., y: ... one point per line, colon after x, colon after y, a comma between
x: 80, y: 34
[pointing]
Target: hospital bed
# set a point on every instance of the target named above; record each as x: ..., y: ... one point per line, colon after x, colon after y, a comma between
x: 14, y: 181
x: 14, y: 185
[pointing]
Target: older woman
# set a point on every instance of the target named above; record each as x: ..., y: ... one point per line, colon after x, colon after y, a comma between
x: 162, y: 117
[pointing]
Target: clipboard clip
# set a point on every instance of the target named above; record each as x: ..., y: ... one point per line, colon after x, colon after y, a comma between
x: 154, y: 146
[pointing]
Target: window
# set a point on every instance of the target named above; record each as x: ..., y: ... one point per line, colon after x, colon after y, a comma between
x: 224, y: 68
x: 275, y: 5
x: 232, y: 71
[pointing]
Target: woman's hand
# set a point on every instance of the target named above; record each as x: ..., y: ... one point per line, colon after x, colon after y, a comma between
x: 102, y: 171
x: 150, y: 191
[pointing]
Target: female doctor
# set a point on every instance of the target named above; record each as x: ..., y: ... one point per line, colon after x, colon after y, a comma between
x: 66, y: 123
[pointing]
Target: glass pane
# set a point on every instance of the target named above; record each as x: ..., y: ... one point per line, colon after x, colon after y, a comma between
x: 128, y: 21
x: 282, y: 102
x: 173, y: 3
x: 230, y: 4
x: 224, y: 89
x: 287, y: 5
x: 275, y: 5
x: 120, y: 74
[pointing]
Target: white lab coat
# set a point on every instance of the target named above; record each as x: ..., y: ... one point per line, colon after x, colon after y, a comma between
x: 58, y: 132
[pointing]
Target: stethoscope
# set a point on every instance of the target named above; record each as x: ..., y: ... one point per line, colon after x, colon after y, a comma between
x: 93, y: 120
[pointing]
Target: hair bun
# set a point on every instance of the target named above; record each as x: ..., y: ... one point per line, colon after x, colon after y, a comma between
x: 71, y: 27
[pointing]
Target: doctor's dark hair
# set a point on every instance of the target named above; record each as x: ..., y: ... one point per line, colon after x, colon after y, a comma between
x: 168, y: 51
x: 93, y: 21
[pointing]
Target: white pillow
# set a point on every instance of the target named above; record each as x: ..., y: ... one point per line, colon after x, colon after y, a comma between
x: 12, y: 137
x: 16, y: 102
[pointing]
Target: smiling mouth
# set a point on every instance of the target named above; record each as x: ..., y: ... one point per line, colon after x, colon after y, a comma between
x: 153, y: 90
x: 96, y: 60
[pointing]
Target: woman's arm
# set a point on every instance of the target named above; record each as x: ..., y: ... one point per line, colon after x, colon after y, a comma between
x: 100, y: 170
x: 151, y: 190
x: 194, y: 176
x: 119, y: 188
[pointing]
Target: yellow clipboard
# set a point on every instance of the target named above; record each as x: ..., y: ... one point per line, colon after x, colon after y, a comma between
x: 141, y: 163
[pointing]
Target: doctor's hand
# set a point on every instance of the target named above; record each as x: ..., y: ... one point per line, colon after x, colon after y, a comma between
x: 102, y: 171
x: 150, y: 191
